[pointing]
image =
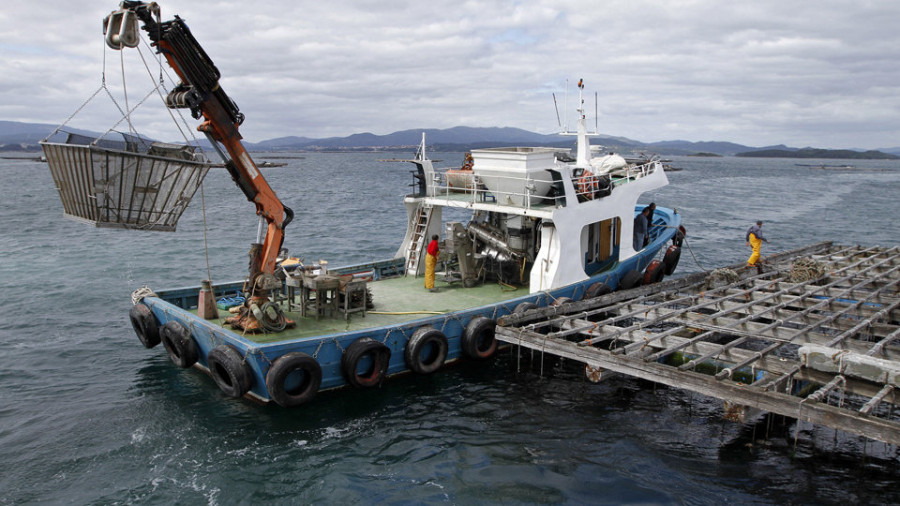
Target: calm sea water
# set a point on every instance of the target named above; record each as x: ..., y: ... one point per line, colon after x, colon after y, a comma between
x: 88, y: 416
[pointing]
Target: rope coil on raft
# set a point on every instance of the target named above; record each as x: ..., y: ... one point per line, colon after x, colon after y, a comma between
x: 806, y: 269
x: 721, y: 276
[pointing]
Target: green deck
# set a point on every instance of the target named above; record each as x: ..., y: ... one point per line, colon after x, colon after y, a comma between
x: 405, y: 295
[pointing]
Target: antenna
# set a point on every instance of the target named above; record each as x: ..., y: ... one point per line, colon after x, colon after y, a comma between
x: 567, y: 105
x: 596, y: 115
x: 556, y: 106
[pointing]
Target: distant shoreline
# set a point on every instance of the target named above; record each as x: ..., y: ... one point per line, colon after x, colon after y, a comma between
x: 831, y: 154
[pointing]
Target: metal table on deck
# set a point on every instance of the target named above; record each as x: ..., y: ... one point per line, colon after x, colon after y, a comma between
x: 319, y: 294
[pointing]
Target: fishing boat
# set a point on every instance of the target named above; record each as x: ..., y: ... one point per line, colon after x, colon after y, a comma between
x: 544, y: 228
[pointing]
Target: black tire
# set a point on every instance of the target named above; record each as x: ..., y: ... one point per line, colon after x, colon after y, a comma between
x: 630, y: 280
x: 229, y: 370
x: 426, y: 350
x: 680, y: 234
x: 293, y: 379
x: 596, y: 290
x: 145, y: 325
x: 654, y: 272
x: 179, y: 344
x: 670, y: 260
x: 478, y: 340
x: 379, y: 355
x: 561, y: 301
x: 525, y: 306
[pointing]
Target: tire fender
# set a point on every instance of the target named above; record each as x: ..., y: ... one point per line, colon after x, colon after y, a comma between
x: 379, y: 355
x: 525, y: 306
x: 426, y: 350
x: 179, y: 344
x: 596, y: 290
x: 654, y: 272
x: 630, y: 279
x: 670, y: 260
x: 478, y: 340
x: 680, y: 234
x: 229, y: 370
x: 561, y: 301
x: 145, y: 325
x: 293, y: 379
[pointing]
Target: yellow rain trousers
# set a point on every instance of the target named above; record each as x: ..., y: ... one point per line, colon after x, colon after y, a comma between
x: 430, y: 264
x: 756, y: 244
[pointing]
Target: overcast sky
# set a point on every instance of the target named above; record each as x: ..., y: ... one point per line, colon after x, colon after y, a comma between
x: 804, y: 73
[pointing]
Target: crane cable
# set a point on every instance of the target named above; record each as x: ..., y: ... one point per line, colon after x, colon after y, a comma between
x: 126, y: 115
x: 192, y: 141
x: 102, y: 87
x: 131, y: 129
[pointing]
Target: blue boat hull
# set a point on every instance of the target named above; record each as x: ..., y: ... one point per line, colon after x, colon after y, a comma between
x: 327, y: 350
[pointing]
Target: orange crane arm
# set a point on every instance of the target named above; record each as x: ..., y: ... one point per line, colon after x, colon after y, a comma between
x: 200, y: 92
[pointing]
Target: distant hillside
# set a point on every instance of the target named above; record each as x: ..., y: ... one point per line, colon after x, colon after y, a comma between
x: 845, y: 154
x: 690, y: 148
x: 16, y: 132
x: 456, y: 139
x: 281, y: 142
x: 16, y: 136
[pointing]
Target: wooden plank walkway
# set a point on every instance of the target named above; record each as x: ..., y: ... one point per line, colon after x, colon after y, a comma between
x: 811, y: 335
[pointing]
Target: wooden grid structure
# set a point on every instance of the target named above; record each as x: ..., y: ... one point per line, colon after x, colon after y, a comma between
x: 809, y: 335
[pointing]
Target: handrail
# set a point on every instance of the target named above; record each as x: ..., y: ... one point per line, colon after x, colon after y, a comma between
x: 475, y: 186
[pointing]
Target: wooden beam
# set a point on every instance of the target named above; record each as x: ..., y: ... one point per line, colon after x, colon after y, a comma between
x: 748, y: 304
x: 774, y: 402
x: 756, y: 330
x: 671, y: 285
x: 874, y: 401
x: 879, y: 347
x: 655, y: 349
x: 820, y: 394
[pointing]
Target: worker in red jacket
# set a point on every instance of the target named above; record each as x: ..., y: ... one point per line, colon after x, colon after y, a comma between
x: 431, y: 263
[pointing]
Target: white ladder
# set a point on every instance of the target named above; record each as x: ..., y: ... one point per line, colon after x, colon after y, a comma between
x: 423, y: 216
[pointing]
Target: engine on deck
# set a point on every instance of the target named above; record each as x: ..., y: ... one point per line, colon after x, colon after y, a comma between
x: 492, y: 247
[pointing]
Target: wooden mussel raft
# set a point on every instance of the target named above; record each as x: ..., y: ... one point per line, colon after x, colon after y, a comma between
x: 811, y: 335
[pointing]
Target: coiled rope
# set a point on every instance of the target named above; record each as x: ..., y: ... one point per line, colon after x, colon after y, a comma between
x: 722, y: 274
x: 806, y: 269
x: 140, y: 293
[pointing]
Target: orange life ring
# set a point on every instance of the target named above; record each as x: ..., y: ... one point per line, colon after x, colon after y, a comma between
x: 587, y: 184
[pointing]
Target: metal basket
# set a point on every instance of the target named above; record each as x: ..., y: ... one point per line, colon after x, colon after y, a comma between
x: 123, y: 188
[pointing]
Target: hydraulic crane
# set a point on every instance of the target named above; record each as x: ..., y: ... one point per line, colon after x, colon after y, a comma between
x: 200, y: 91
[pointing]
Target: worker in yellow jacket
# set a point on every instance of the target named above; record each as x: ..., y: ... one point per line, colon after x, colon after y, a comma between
x: 755, y: 239
x: 431, y: 262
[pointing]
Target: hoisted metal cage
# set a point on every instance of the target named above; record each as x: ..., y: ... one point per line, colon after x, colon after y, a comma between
x: 134, y: 184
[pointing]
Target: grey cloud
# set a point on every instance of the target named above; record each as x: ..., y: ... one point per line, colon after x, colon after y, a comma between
x: 758, y: 73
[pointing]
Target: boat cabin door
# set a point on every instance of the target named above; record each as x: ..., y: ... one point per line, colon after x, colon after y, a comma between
x: 601, y: 240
